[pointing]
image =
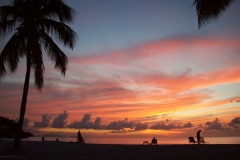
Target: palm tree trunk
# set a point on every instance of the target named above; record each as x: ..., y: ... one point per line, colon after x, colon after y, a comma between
x: 18, y: 134
x: 19, y: 130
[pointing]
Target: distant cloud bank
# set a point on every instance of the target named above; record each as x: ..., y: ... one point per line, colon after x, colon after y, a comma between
x: 125, y: 125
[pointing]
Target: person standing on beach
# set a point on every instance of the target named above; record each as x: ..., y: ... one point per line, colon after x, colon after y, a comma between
x: 79, y: 137
x: 198, y: 136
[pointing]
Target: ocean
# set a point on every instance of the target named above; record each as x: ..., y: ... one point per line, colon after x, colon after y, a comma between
x: 139, y: 141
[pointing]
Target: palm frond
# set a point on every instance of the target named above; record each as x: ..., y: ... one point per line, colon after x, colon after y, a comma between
x: 13, y: 50
x: 38, y: 72
x: 2, y: 67
x: 10, y: 13
x: 37, y: 63
x: 208, y: 10
x: 54, y: 53
x: 53, y: 9
x: 62, y: 32
x: 7, y: 27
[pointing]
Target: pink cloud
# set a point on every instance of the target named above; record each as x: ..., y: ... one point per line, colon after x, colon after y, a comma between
x: 187, y: 81
x: 159, y: 47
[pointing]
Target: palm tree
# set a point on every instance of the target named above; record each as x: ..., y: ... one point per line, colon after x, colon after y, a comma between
x: 33, y: 21
x: 208, y: 10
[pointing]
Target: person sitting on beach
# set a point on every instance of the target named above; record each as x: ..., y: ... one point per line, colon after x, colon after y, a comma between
x: 79, y: 138
x: 154, y: 141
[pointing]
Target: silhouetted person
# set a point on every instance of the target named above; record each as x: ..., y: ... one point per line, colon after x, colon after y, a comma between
x: 43, y: 138
x: 198, y: 136
x: 57, y: 139
x: 79, y: 137
x: 154, y: 141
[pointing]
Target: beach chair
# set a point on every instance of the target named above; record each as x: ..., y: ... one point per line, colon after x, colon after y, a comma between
x: 192, y: 140
x: 146, y: 143
x: 202, y: 140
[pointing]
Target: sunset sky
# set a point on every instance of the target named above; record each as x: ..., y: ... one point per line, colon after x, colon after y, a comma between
x: 139, y: 68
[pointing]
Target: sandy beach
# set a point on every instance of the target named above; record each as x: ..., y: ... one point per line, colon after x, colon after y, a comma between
x: 72, y: 151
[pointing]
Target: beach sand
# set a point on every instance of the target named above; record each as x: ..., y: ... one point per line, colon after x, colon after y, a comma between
x: 74, y: 151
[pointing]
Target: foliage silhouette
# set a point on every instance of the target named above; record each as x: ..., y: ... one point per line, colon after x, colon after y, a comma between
x: 208, y: 10
x: 33, y: 23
